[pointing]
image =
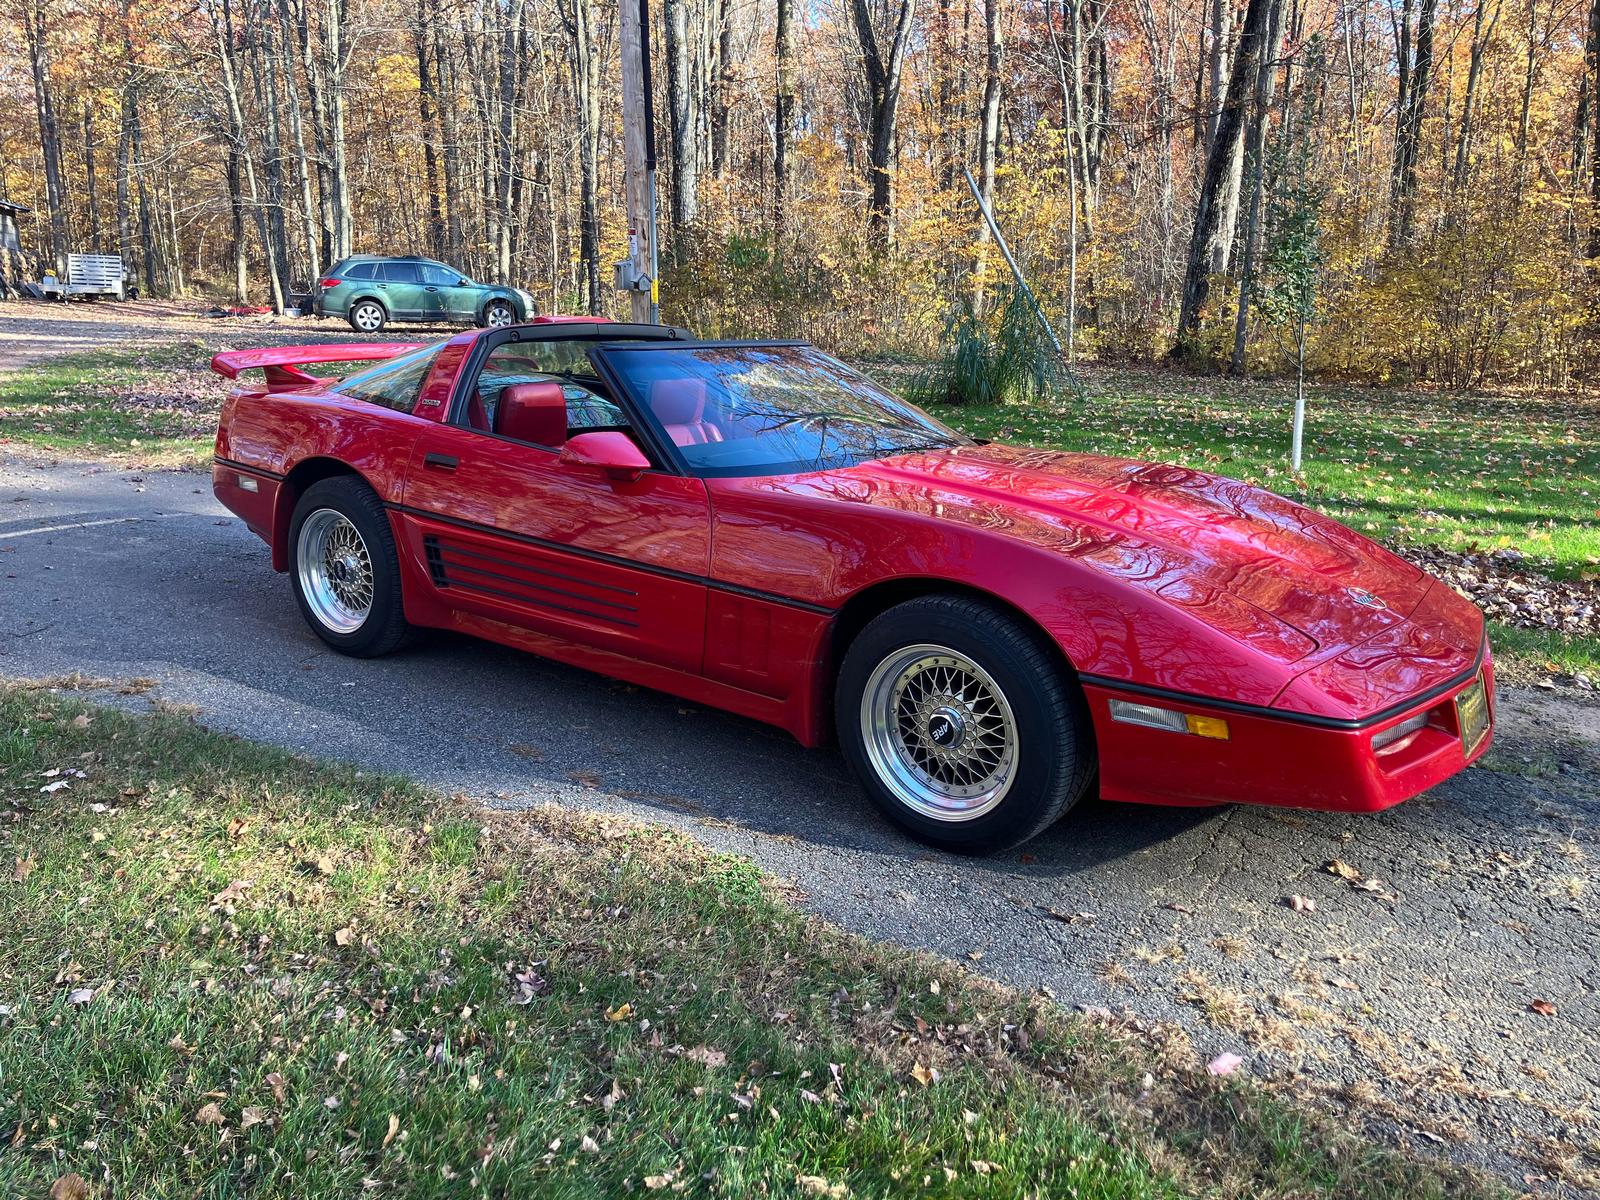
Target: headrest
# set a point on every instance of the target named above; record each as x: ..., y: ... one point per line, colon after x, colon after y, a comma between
x: 533, y: 412
x: 678, y: 401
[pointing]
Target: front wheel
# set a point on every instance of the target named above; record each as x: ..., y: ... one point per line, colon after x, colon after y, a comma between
x: 498, y: 314
x: 367, y: 316
x: 346, y: 571
x: 962, y: 725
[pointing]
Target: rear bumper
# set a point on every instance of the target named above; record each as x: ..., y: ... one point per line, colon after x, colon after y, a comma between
x: 250, y: 493
x: 1283, y: 758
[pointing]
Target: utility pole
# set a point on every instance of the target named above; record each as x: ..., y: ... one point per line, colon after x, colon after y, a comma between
x: 637, y: 275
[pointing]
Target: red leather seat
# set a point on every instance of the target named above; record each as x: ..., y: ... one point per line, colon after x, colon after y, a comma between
x: 680, y: 406
x: 533, y: 412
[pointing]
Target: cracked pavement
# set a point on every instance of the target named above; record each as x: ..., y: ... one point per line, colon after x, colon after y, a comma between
x: 1404, y: 1000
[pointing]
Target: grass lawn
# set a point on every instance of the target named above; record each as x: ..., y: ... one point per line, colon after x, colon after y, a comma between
x: 1459, y: 471
x: 154, y: 406
x: 227, y: 970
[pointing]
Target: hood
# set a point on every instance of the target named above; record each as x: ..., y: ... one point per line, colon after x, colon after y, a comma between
x: 1183, y: 534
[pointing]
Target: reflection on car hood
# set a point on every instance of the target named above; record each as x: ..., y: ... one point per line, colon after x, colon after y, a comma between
x: 1183, y: 533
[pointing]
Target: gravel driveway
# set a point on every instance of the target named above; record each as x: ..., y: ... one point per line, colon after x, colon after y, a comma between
x: 1443, y: 987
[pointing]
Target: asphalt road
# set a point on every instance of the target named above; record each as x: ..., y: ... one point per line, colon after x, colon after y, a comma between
x: 1412, y: 998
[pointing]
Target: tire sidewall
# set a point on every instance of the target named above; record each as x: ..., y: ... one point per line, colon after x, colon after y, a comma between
x: 357, y: 503
x: 489, y: 308
x: 1039, y: 703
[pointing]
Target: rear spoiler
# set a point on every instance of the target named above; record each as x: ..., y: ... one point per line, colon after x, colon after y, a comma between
x: 280, y: 362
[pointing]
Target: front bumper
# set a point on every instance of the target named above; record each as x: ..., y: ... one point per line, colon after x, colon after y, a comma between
x: 1285, y: 759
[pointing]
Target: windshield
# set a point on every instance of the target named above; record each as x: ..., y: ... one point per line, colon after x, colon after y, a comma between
x: 771, y: 410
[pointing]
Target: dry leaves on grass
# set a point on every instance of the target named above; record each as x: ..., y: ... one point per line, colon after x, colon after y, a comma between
x: 706, y: 1056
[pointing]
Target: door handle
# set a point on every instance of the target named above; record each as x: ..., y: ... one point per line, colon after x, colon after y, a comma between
x: 440, y: 462
x: 431, y: 289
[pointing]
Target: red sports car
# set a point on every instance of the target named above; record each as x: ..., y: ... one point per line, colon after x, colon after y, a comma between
x: 992, y: 632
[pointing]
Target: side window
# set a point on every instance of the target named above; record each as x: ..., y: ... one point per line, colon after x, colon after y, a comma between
x: 394, y: 272
x: 395, y: 384
x: 439, y: 276
x: 362, y: 271
x: 563, y: 363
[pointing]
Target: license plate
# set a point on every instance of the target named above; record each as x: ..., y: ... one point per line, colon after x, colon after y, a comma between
x: 1472, y: 714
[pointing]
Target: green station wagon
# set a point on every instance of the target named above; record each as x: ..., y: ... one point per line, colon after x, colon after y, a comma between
x: 369, y: 291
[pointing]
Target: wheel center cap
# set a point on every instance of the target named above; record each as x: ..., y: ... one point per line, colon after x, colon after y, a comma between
x: 946, y: 728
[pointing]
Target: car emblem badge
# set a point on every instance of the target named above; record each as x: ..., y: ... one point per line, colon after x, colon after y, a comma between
x: 1361, y: 596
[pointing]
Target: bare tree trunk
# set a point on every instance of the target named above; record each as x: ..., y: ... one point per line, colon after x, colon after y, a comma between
x: 1266, y: 77
x: 787, y: 39
x: 720, y: 91
x: 988, y: 133
x: 334, y: 36
x: 1416, y: 79
x: 685, y: 122
x: 1230, y: 130
x: 883, y: 84
x: 89, y: 152
x: 36, y: 34
x: 425, y: 112
x: 302, y: 162
x: 579, y: 17
x: 450, y: 131
x: 1480, y: 39
x: 510, y: 100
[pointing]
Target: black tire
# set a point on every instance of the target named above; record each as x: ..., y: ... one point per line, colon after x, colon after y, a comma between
x: 501, y: 309
x: 370, y: 306
x: 384, y: 627
x: 1053, y: 762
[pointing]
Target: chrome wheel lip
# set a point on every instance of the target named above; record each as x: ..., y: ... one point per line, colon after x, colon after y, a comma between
x: 498, y: 316
x: 908, y: 701
x: 368, y: 317
x: 334, y: 567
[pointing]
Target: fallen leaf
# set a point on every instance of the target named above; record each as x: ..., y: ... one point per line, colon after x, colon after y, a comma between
x: 81, y: 721
x: 279, y: 1086
x: 1342, y: 869
x: 394, y: 1128
x: 252, y: 1115
x: 589, y: 1145
x: 816, y: 1185
x: 620, y: 1013
x: 924, y: 1075
x: 231, y: 894
x: 70, y: 1187
x: 1543, y: 1007
x: 1303, y: 904
x: 25, y: 867
x: 1224, y: 1064
x: 343, y: 937
x: 80, y: 995
x: 656, y: 1182
x: 984, y: 1168
x: 209, y: 1114
x: 706, y: 1056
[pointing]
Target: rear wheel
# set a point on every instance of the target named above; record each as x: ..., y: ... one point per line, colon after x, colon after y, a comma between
x: 367, y: 316
x: 961, y: 724
x: 346, y: 571
x: 498, y: 314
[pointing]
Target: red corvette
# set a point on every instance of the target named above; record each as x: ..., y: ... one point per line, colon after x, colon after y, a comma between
x: 992, y: 632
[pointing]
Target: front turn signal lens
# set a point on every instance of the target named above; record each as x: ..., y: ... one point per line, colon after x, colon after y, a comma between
x: 1154, y: 717
x: 1208, y: 727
